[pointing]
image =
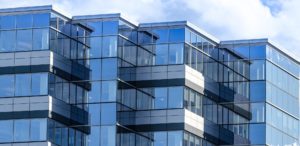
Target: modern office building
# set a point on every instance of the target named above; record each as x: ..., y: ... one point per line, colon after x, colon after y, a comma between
x: 101, y: 80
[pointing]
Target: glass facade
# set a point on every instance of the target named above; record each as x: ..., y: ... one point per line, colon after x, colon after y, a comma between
x: 39, y: 97
x: 102, y: 81
x: 274, y: 95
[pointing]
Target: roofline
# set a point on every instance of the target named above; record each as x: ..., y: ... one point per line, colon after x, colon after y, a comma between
x: 106, y: 16
x: 208, y: 35
x: 267, y: 41
x: 283, y: 50
x: 49, y: 8
x: 181, y: 23
x: 52, y: 8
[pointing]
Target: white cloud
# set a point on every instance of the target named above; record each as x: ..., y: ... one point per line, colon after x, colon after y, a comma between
x: 226, y: 19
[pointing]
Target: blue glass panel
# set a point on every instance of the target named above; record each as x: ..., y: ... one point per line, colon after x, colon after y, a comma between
x: 96, y: 28
x: 109, y: 91
x: 257, y: 70
x: 78, y: 139
x: 24, y: 21
x: 160, y: 139
x: 258, y: 91
x: 95, y: 50
x: 40, y: 39
x: 94, y: 136
x: 58, y: 128
x: 94, y: 94
x: 41, y: 20
x: 108, y: 114
x: 21, y: 130
x: 109, y: 46
x: 71, y: 137
x: 109, y: 69
x: 23, y: 84
x: 176, y: 35
x: 187, y: 35
x: 258, y: 52
x: 39, y: 84
x: 161, y: 54
x: 176, y: 54
x: 160, y: 35
x: 175, y: 97
x: 175, y: 138
x: 257, y: 133
x: 7, y: 41
x: 243, y: 51
x: 64, y: 136
x: 7, y: 85
x: 94, y: 111
x: 108, y: 136
x: 24, y: 40
x: 38, y: 129
x: 95, y: 65
x: 161, y: 98
x: 8, y: 22
x: 6, y: 133
x: 258, y: 112
x: 110, y: 27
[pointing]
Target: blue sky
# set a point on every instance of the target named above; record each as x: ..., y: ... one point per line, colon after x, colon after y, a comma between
x: 278, y: 20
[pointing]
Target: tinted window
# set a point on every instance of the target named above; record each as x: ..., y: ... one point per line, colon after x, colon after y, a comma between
x: 176, y: 54
x: 176, y: 35
x: 96, y: 27
x: 109, y: 69
x: 160, y: 35
x: 257, y: 70
x: 108, y: 136
x: 160, y: 139
x: 108, y: 91
x: 21, y: 130
x: 161, y: 54
x: 95, y: 50
x: 40, y: 39
x: 24, y: 40
x: 94, y: 111
x: 175, y: 138
x: 71, y: 137
x: 41, y: 20
x: 109, y: 46
x: 94, y: 94
x: 23, y: 85
x: 110, y: 27
x: 39, y: 84
x: 78, y: 139
x: 6, y: 133
x: 24, y: 21
x: 258, y: 52
x: 93, y: 137
x: 145, y: 58
x: 257, y: 133
x: 7, y: 41
x: 38, y: 129
x: 175, y: 97
x: 108, y: 114
x: 161, y: 97
x: 8, y: 22
x: 242, y: 50
x: 6, y: 85
x: 257, y: 91
x: 95, y: 65
x: 258, y: 112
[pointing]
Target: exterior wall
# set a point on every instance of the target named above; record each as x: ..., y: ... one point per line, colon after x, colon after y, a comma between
x: 274, y: 87
x: 101, y: 80
x: 35, y: 69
